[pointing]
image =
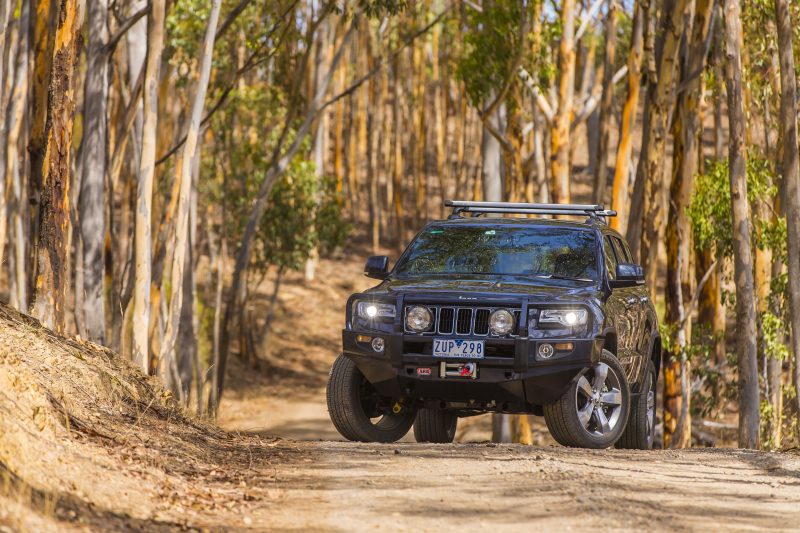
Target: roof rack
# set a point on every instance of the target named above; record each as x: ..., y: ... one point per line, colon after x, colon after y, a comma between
x: 594, y: 212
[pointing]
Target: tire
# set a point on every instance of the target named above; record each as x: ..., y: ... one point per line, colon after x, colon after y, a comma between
x: 640, y: 431
x: 434, y: 425
x: 358, y: 412
x: 593, y: 411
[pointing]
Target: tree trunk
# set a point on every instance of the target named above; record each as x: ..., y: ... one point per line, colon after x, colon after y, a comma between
x: 15, y: 159
x: 93, y: 195
x: 622, y: 174
x: 606, y: 106
x: 742, y: 251
x: 492, y: 156
x: 168, y: 359
x: 677, y: 422
x: 51, y: 162
x: 791, y: 177
x: 144, y: 194
x: 560, y: 134
x: 659, y: 112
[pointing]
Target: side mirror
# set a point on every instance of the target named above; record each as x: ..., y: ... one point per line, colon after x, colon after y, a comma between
x: 377, y: 267
x: 628, y: 275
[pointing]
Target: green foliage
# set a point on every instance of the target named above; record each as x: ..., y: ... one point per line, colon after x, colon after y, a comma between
x: 491, y: 44
x: 773, y: 331
x: 293, y: 225
x: 710, y: 207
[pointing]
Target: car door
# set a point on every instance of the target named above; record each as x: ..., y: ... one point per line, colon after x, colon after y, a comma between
x: 624, y: 308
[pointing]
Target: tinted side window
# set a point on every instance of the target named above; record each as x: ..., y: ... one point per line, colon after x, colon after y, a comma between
x: 611, y: 260
x: 622, y: 252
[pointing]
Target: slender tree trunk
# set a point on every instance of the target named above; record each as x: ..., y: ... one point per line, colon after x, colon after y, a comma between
x: 791, y: 177
x: 14, y: 162
x: 320, y: 147
x: 606, y: 105
x: 398, y: 171
x: 687, y: 127
x: 659, y: 112
x: 492, y: 156
x: 168, y: 359
x: 622, y: 173
x: 560, y: 134
x: 144, y: 194
x: 93, y: 195
x: 52, y: 166
x: 742, y: 251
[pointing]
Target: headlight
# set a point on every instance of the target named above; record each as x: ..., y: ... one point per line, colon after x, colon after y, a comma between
x: 418, y: 318
x: 565, y: 317
x: 501, y: 322
x: 371, y: 310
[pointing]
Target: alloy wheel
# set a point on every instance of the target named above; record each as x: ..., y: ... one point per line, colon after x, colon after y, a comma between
x: 598, y: 400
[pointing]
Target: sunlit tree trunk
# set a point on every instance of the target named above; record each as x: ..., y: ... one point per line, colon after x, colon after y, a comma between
x: 560, y: 133
x: 168, y: 362
x: 659, y: 110
x: 680, y: 275
x: 52, y: 164
x: 144, y: 194
x: 622, y: 173
x: 791, y: 177
x: 606, y: 105
x: 742, y: 251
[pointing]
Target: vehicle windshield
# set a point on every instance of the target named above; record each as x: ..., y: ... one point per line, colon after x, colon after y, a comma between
x: 566, y: 253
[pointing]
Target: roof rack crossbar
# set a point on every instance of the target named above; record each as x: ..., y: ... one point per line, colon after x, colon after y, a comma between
x: 536, y: 211
x: 520, y: 208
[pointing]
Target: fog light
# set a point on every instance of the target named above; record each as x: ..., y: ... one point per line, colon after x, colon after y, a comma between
x: 546, y: 351
x: 377, y: 344
x: 363, y: 338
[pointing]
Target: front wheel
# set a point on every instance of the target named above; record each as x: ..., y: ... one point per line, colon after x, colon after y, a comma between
x: 593, y: 411
x: 434, y: 425
x: 358, y: 412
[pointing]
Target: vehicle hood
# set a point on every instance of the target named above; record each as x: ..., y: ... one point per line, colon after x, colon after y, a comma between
x: 469, y: 289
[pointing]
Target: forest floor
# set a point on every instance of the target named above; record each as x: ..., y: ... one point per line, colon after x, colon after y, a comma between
x: 87, y: 444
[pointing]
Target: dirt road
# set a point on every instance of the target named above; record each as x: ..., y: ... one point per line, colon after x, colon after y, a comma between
x: 479, y: 486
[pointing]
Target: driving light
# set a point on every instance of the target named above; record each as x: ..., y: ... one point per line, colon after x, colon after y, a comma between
x: 418, y: 318
x: 546, y: 351
x: 371, y: 310
x: 501, y: 322
x: 565, y: 317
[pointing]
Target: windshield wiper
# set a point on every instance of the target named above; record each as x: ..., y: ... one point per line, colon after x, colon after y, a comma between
x: 558, y: 276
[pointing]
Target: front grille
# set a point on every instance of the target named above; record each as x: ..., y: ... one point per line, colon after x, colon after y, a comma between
x: 461, y: 320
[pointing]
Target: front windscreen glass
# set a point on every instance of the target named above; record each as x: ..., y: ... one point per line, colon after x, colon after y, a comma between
x: 518, y: 251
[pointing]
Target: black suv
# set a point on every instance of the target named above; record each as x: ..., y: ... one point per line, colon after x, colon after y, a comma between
x: 507, y: 315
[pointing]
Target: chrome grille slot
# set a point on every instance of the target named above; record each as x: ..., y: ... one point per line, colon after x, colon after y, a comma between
x: 446, y: 316
x: 451, y: 320
x: 482, y: 321
x: 464, y: 321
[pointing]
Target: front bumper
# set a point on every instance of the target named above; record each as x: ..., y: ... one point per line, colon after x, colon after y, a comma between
x: 517, y: 381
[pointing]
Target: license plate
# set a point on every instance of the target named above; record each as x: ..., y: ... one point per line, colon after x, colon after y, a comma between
x: 460, y: 348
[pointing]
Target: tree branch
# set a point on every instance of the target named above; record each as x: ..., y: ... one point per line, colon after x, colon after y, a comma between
x: 541, y: 101
x: 588, y: 18
x: 123, y: 29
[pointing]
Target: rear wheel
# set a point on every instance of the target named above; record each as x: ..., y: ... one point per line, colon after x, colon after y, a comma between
x: 434, y: 425
x: 593, y: 412
x: 641, y: 429
x: 358, y: 412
